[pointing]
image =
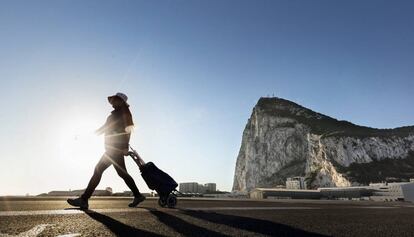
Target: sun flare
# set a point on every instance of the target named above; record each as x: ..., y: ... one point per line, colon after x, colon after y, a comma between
x: 77, y: 140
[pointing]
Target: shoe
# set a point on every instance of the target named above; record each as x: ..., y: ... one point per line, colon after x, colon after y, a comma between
x: 78, y: 202
x: 136, y: 201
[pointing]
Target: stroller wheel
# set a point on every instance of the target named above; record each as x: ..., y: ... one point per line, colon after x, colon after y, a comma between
x: 162, y: 201
x: 171, y: 201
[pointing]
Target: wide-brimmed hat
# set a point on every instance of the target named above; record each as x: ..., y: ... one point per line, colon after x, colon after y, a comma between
x: 120, y: 95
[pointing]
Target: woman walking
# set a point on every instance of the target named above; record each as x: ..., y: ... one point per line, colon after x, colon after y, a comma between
x: 117, y: 130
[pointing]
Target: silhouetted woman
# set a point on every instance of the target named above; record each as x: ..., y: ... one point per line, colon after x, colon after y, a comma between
x: 117, y: 130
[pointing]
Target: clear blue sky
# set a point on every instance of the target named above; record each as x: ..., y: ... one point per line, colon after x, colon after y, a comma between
x: 193, y: 71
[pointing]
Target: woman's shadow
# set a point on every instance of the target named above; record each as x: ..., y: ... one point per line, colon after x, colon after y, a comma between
x: 116, y: 227
x: 177, y: 224
x: 186, y: 228
x: 258, y: 226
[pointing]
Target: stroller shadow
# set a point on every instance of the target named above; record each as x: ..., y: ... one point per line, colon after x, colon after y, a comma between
x: 250, y: 224
x: 118, y: 228
x: 181, y: 226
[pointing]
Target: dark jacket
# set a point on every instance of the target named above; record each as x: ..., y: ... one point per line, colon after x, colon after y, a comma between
x: 116, y: 136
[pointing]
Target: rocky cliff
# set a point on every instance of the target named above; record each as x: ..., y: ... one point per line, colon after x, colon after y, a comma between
x: 283, y: 139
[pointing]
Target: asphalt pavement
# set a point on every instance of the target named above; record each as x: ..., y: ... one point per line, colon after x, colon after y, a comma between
x: 205, y: 217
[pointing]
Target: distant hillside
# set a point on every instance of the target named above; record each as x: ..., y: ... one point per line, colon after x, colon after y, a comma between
x: 283, y: 139
x: 322, y: 124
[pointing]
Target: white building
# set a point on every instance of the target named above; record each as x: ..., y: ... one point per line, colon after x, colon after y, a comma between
x: 375, y: 191
x: 106, y: 192
x: 210, y: 187
x: 201, y: 188
x: 194, y: 187
x: 408, y: 191
x: 191, y: 187
x: 276, y: 193
x: 387, y: 191
x: 296, y: 183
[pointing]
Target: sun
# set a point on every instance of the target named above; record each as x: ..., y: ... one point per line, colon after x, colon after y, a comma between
x: 77, y: 140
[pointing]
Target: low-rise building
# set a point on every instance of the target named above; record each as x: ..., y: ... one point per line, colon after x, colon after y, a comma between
x: 387, y: 191
x: 345, y: 192
x: 106, y: 192
x: 190, y: 187
x: 194, y: 187
x: 276, y: 193
x: 375, y: 192
x: 296, y: 183
x: 408, y: 191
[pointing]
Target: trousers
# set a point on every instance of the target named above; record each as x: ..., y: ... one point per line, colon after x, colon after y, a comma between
x: 109, y: 158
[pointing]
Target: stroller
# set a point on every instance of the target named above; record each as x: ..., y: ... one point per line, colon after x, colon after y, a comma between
x: 157, y: 180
